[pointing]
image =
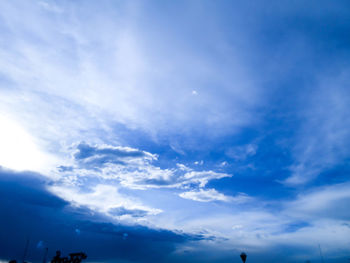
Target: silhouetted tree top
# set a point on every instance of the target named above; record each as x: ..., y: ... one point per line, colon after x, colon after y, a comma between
x: 243, y: 257
x: 73, y: 258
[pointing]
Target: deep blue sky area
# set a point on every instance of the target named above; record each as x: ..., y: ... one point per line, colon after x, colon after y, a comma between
x: 175, y: 131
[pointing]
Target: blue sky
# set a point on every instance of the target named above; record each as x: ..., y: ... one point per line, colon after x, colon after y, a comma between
x: 175, y: 131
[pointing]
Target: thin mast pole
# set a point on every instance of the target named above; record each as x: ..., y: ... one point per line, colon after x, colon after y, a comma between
x: 25, y: 250
x: 45, y: 255
x: 319, y: 246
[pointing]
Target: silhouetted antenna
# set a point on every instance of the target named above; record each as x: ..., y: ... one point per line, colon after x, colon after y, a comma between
x: 25, y: 250
x: 319, y: 246
x: 45, y: 255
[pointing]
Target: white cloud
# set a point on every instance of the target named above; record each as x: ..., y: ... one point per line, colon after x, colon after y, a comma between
x: 95, y: 175
x: 223, y: 164
x: 208, y: 195
x: 103, y: 199
x: 203, y: 177
x: 323, y: 202
x: 131, y: 168
x: 242, y: 152
x: 183, y: 167
x: 50, y: 6
x: 319, y: 216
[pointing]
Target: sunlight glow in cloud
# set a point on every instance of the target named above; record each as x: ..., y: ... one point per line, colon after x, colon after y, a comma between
x: 18, y: 150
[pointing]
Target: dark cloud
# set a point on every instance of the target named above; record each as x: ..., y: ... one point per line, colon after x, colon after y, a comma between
x: 28, y: 210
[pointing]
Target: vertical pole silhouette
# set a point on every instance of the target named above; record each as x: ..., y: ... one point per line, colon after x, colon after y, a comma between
x: 25, y: 250
x: 243, y: 257
x: 45, y: 255
x: 319, y: 247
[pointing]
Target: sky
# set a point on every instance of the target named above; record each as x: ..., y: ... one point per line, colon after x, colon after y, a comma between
x: 175, y: 131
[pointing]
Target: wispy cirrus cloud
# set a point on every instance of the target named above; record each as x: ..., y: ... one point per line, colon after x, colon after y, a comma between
x: 322, y: 202
x: 242, y: 152
x: 142, y: 76
x: 324, y: 137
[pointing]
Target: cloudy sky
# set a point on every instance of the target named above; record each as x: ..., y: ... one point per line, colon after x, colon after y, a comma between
x: 175, y: 131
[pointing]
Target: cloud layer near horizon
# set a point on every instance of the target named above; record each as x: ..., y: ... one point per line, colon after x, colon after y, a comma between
x: 31, y: 211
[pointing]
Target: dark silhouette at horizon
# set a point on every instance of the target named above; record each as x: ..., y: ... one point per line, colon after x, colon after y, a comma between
x: 243, y: 257
x: 74, y: 258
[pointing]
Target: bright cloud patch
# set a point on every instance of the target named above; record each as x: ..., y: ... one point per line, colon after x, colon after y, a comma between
x: 132, y: 168
x: 19, y: 150
x: 205, y: 195
x: 105, y: 199
x: 106, y: 179
x: 325, y: 202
